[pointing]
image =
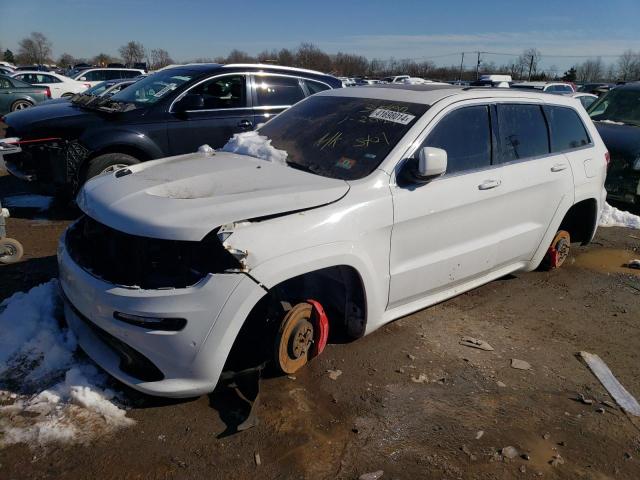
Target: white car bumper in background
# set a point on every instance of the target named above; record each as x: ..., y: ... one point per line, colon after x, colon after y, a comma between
x: 181, y: 363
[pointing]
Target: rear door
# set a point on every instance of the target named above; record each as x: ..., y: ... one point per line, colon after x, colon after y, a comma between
x: 227, y: 110
x: 536, y: 181
x: 273, y: 94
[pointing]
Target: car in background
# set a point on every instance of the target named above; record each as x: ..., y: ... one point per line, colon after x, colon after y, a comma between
x: 59, y: 85
x: 31, y: 68
x: 93, y: 76
x: 494, y: 81
x: 103, y: 89
x: 6, y: 70
x: 586, y: 99
x: 617, y: 117
x: 395, y: 79
x: 17, y: 95
x: 596, y: 88
x: 548, y: 87
x: 170, y: 112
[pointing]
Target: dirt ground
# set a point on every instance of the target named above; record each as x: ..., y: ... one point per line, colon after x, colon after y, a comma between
x: 411, y: 401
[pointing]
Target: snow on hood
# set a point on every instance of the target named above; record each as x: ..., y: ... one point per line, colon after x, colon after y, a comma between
x: 612, y: 217
x: 186, y: 197
x: 255, y: 145
x: 47, y: 393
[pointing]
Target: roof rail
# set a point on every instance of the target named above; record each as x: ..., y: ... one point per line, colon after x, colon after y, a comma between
x: 280, y: 67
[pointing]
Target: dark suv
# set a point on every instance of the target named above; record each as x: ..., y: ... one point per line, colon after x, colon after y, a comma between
x: 171, y: 112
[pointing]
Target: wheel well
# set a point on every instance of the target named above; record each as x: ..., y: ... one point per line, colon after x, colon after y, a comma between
x: 340, y: 291
x: 126, y: 149
x: 580, y: 221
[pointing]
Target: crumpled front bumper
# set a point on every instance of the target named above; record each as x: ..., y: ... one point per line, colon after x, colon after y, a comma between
x: 190, y: 360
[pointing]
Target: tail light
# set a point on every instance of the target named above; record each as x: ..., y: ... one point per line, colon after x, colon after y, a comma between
x: 47, y: 92
x: 607, y: 158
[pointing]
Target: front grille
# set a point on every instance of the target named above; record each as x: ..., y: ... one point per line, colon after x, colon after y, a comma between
x: 143, y: 262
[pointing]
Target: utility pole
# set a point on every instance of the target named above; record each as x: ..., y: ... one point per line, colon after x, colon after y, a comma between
x: 478, y: 67
x: 530, y: 68
x: 461, y: 64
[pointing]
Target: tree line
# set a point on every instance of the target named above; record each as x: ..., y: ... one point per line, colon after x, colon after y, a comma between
x: 38, y: 49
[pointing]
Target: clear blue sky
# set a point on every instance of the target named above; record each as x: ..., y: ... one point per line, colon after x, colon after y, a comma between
x: 381, y: 29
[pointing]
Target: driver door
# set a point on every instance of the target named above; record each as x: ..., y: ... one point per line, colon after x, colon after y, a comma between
x: 226, y: 110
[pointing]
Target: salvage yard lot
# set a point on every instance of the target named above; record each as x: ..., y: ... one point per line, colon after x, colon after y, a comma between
x: 410, y: 400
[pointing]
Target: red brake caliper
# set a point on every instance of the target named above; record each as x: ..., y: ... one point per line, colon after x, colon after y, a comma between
x: 320, y: 328
x: 554, y: 256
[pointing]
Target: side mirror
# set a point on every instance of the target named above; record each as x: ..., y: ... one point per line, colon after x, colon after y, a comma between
x: 82, y: 79
x: 193, y: 101
x: 432, y: 162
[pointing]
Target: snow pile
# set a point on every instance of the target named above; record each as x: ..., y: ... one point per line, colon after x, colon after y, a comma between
x: 612, y: 217
x: 255, y: 145
x: 48, y: 394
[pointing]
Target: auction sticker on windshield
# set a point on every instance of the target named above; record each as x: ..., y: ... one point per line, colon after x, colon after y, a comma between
x: 392, y: 116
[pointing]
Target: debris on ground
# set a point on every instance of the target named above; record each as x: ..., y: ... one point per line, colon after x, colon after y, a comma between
x: 501, y: 384
x: 509, y: 452
x: 468, y: 453
x: 422, y: 378
x: 520, y: 364
x: 334, y: 374
x: 546, y: 436
x: 371, y: 475
x: 614, y: 387
x: 411, y: 357
x: 557, y: 460
x: 256, y: 457
x: 635, y: 264
x: 479, y: 434
x: 476, y: 343
x: 582, y: 399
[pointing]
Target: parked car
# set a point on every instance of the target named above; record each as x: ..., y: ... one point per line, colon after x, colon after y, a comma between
x: 395, y: 79
x: 586, y: 99
x: 387, y: 201
x: 617, y: 118
x: 171, y: 112
x: 59, y: 85
x: 549, y: 87
x: 6, y: 71
x: 17, y: 95
x: 93, y: 76
x: 103, y: 89
x: 495, y: 81
x: 32, y: 68
x: 596, y: 88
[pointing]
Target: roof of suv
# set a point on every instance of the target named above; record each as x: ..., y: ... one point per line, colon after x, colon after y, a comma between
x: 430, y: 94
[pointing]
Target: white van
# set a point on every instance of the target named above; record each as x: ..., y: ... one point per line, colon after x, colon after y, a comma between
x: 366, y: 204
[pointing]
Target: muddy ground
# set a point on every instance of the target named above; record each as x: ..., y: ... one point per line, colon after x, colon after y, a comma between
x: 410, y: 401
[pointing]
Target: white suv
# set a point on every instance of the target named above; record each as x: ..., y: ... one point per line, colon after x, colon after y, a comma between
x: 391, y: 199
x: 93, y: 76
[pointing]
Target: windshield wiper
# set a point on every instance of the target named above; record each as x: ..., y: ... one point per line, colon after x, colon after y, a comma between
x: 299, y: 166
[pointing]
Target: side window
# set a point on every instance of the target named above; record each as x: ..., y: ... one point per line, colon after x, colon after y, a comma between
x: 128, y: 74
x: 567, y: 130
x: 49, y: 79
x: 466, y: 136
x: 4, y: 83
x: 223, y: 92
x: 587, y: 101
x: 274, y: 91
x: 95, y: 76
x: 315, y: 87
x: 523, y: 132
x: 112, y: 74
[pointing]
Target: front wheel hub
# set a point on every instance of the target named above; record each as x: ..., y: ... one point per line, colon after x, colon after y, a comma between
x: 294, y: 338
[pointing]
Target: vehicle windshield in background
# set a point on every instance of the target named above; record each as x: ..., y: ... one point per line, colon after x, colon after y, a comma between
x: 99, y: 88
x: 527, y: 87
x: 340, y: 137
x: 152, y: 88
x: 618, y: 105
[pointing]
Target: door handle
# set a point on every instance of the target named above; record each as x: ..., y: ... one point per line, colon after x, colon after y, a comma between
x: 245, y: 124
x: 558, y: 167
x: 489, y: 184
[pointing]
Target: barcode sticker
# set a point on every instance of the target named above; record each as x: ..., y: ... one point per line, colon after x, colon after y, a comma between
x: 392, y: 116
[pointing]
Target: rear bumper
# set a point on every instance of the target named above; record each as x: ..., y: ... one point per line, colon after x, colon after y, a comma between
x: 183, y: 363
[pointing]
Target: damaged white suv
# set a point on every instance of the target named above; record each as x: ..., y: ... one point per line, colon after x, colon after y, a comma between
x: 377, y: 202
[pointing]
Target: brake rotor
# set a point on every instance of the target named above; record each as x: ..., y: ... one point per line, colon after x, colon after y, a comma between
x: 561, y: 245
x: 294, y: 338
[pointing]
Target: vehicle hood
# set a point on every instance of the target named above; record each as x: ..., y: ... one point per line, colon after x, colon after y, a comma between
x: 186, y: 197
x: 622, y: 141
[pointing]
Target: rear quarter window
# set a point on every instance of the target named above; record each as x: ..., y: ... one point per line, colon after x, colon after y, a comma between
x: 277, y: 91
x: 523, y: 132
x: 567, y: 130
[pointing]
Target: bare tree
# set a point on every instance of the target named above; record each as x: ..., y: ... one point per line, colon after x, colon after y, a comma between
x: 310, y: 56
x: 36, y: 49
x: 238, y: 56
x: 102, y: 60
x: 66, y: 60
x: 628, y: 65
x: 268, y: 56
x: 348, y: 65
x: 286, y: 57
x: 591, y: 70
x: 160, y: 58
x: 132, y: 52
x: 528, y: 63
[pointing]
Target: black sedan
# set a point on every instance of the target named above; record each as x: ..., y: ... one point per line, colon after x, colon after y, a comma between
x: 171, y: 112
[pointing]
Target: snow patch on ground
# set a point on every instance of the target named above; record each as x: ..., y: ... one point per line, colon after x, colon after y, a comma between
x: 48, y: 394
x: 255, y: 145
x: 40, y: 202
x: 612, y: 217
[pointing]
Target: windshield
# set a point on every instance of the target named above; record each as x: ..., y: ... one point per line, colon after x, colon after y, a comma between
x: 618, y: 105
x: 154, y: 87
x: 99, y: 88
x: 341, y: 137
